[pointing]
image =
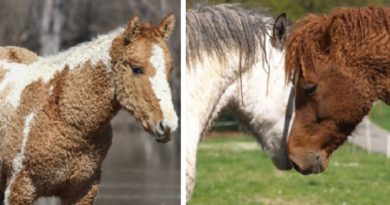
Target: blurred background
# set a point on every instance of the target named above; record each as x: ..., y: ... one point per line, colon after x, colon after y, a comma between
x: 137, y: 169
x: 232, y: 169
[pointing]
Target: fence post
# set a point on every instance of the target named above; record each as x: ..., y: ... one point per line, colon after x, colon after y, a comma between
x: 368, y: 136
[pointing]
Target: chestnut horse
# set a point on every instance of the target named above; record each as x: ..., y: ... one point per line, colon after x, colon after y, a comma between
x: 235, y: 58
x: 340, y: 65
x: 55, y: 110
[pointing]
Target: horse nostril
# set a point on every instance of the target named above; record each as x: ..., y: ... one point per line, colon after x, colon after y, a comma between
x: 315, y: 157
x: 161, y: 125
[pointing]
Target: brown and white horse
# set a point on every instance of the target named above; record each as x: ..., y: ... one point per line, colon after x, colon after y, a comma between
x: 55, y: 110
x: 340, y: 64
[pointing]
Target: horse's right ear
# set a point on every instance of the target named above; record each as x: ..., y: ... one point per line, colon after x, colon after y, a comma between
x: 132, y: 30
x: 166, y: 26
x: 279, y: 31
x: 330, y: 35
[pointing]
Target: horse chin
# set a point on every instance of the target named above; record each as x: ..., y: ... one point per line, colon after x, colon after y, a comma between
x: 164, y: 139
x: 161, y: 136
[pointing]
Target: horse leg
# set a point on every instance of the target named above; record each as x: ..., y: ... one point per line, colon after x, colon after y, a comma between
x: 20, y: 191
x: 3, y: 179
x: 190, y: 181
x: 190, y: 170
x: 89, y: 194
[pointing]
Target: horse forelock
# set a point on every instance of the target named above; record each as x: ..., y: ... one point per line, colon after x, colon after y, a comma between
x: 226, y: 28
x: 302, y: 46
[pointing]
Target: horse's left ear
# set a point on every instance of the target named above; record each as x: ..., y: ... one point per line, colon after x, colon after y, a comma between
x: 166, y: 26
x: 132, y: 30
x: 279, y: 31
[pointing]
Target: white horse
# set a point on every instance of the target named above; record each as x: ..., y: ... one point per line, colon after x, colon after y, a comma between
x: 224, y: 41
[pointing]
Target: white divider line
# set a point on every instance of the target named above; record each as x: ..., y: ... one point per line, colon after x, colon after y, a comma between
x: 388, y: 146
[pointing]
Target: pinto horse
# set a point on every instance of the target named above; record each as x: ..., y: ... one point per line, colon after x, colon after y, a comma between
x: 55, y: 110
x: 340, y: 65
x: 230, y: 50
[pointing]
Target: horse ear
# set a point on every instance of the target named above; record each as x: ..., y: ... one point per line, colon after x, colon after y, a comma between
x: 166, y: 26
x: 279, y: 31
x: 331, y: 35
x: 132, y: 30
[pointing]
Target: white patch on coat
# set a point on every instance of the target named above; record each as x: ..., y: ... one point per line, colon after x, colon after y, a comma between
x: 17, y: 162
x: 50, y: 91
x: 161, y: 89
x: 18, y: 76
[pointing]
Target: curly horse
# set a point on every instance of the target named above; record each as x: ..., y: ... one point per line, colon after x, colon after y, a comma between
x: 340, y: 65
x: 55, y: 110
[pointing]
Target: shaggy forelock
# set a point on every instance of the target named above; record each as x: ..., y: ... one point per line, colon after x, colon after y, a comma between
x: 301, y: 45
x: 220, y: 29
x: 345, y: 35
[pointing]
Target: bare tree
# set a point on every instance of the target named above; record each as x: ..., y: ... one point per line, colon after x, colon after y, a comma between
x: 52, y: 19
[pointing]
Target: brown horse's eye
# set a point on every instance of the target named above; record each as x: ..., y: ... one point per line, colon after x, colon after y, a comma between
x: 310, y: 89
x: 137, y: 69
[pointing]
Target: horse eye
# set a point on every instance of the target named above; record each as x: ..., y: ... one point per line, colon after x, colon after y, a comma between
x: 137, y: 70
x: 310, y: 89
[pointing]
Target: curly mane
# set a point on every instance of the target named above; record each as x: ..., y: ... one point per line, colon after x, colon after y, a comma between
x: 346, y: 36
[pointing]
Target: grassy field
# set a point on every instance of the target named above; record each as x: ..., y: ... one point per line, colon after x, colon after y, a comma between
x: 380, y: 114
x: 233, y: 170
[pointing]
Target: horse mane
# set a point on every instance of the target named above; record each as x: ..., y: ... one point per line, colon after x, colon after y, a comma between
x: 219, y: 29
x: 346, y: 35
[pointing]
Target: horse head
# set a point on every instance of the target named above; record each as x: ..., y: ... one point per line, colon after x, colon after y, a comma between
x: 333, y: 67
x: 142, y: 65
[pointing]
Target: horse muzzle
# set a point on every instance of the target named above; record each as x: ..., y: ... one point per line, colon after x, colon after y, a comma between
x: 309, y: 163
x: 162, y: 132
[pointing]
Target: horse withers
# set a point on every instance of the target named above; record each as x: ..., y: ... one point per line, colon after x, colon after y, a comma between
x: 340, y: 66
x: 56, y: 109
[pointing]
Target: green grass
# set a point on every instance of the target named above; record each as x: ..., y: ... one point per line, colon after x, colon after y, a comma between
x: 380, y: 114
x: 233, y: 170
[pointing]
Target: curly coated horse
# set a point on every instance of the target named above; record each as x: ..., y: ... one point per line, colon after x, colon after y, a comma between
x: 55, y: 110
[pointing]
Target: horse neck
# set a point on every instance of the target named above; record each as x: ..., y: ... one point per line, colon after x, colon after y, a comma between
x: 95, y: 51
x: 261, y: 105
x: 215, y: 77
x: 372, y: 77
x: 205, y: 82
x: 386, y: 97
x: 87, y: 99
x: 87, y: 95
x: 386, y: 93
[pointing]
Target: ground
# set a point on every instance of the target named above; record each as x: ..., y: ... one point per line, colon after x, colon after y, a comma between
x: 233, y: 170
